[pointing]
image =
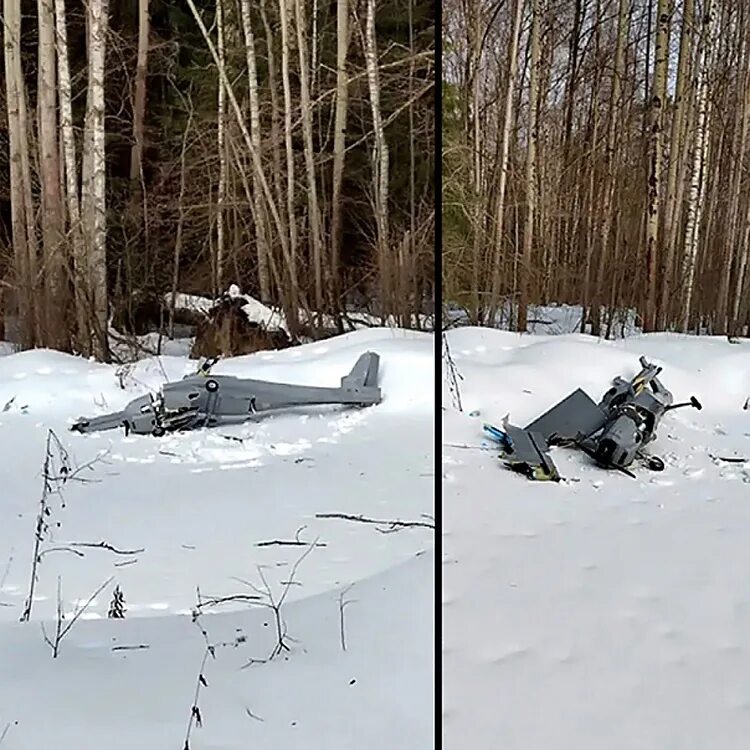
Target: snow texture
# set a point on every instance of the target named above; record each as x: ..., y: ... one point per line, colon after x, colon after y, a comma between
x: 601, y: 612
x: 188, y: 511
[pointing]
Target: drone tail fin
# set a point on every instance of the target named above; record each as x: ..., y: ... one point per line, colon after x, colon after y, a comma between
x: 364, y: 374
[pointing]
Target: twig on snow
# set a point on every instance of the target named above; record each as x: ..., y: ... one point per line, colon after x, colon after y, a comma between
x: 105, y: 545
x: 342, y: 606
x: 60, y: 631
x: 57, y: 471
x: 391, y: 525
x: 269, y: 601
x: 297, y: 542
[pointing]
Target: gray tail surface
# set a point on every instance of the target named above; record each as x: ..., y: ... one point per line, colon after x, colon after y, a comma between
x: 364, y: 374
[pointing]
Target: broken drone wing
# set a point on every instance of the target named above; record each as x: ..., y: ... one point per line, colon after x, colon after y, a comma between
x: 575, y: 415
x: 527, y: 453
x: 526, y: 449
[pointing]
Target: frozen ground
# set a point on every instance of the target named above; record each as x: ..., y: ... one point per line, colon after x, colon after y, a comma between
x: 189, y: 511
x: 601, y: 612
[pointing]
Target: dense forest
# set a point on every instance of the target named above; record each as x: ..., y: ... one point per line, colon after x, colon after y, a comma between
x: 150, y: 147
x: 595, y: 153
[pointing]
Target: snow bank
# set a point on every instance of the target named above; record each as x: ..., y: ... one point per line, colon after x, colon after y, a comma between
x: 603, y: 611
x: 206, y: 509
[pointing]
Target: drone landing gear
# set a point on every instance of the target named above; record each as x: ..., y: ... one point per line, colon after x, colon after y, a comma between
x: 654, y: 463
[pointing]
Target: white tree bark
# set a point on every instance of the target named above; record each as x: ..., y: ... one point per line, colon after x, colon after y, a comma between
x: 505, y: 153
x: 380, y: 156
x: 139, y: 98
x: 307, y: 136
x: 220, y: 250
x: 72, y: 199
x: 531, y: 167
x: 699, y: 170
x: 261, y: 241
x: 292, y: 220
x: 339, y: 141
x: 656, y: 158
x: 93, y: 194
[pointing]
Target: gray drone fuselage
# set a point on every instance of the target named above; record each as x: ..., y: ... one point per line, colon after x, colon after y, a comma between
x: 206, y: 400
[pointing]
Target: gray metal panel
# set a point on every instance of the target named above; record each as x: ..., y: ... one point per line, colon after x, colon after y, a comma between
x: 575, y: 414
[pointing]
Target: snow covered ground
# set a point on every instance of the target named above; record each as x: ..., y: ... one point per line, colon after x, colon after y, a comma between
x: 194, y: 510
x: 601, y: 612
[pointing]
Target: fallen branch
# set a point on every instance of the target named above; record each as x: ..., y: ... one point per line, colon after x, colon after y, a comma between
x: 391, y: 525
x: 104, y: 545
x: 297, y: 542
x: 215, y: 601
x: 60, y: 549
x: 131, y: 648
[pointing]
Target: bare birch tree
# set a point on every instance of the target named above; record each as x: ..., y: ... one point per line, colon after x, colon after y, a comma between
x: 139, y: 98
x: 656, y: 157
x: 339, y: 144
x: 261, y: 232
x: 55, y: 277
x: 307, y: 136
x: 531, y: 168
x: 93, y: 191
x: 380, y: 162
x: 699, y: 168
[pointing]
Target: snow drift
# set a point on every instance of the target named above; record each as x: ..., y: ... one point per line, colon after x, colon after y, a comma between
x: 213, y: 510
x: 602, y: 611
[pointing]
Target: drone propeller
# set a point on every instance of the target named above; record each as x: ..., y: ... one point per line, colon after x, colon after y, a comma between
x: 693, y: 402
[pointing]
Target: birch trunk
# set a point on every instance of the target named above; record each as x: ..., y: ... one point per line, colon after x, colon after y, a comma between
x: 656, y: 145
x: 531, y: 167
x: 93, y: 198
x: 699, y: 170
x: 380, y: 156
x: 504, y: 156
x: 220, y: 135
x: 676, y: 147
x: 286, y: 83
x: 339, y: 145
x: 261, y: 241
x: 139, y: 103
x: 307, y: 137
x: 726, y: 322
x: 72, y: 199
x: 610, y: 183
x: 275, y: 111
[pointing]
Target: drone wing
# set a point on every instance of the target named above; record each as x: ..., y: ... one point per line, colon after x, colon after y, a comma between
x: 575, y: 415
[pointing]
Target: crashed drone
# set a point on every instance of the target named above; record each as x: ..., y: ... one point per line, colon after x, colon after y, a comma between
x: 205, y: 400
x: 614, y: 432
